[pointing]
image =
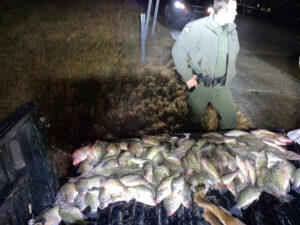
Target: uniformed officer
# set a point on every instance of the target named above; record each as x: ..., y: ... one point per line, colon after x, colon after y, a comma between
x: 208, y: 47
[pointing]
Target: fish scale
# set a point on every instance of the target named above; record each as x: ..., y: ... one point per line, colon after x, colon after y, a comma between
x: 164, y: 163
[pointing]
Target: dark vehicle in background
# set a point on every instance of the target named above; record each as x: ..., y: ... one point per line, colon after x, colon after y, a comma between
x: 180, y: 12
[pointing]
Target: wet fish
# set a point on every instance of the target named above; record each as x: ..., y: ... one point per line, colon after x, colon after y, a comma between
x: 263, y: 178
x: 143, y: 194
x: 192, y: 161
x: 177, y: 184
x: 280, y: 179
x: 113, y: 186
x: 79, y: 202
x: 164, y: 189
x: 80, y: 155
x: 136, y: 149
x: 296, y: 179
x: 50, y: 217
x: 186, y: 196
x: 92, y: 200
x: 229, y: 177
x: 172, y: 203
x: 261, y: 161
x: 123, y: 158
x: 67, y: 193
x: 152, y: 152
x: 202, y: 143
x: 150, y: 140
x: 211, y: 169
x: 273, y: 158
x: 242, y: 166
x: 245, y: 198
x: 70, y: 214
x: 84, y: 167
x: 133, y: 180
x: 161, y: 172
x: 235, y: 133
x: 289, y: 168
x: 231, y: 187
x: 112, y: 149
x: 251, y: 171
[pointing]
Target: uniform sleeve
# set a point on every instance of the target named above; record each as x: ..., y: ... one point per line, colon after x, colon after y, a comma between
x: 180, y: 51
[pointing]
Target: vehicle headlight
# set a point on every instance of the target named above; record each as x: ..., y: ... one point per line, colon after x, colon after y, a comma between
x: 209, y: 10
x: 179, y: 5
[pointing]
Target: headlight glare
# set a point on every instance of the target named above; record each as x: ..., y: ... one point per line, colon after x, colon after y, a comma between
x: 179, y: 5
x: 209, y: 10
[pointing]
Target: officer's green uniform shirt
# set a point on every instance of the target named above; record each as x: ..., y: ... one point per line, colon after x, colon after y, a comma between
x: 222, y: 50
x: 203, y: 47
x: 198, y: 47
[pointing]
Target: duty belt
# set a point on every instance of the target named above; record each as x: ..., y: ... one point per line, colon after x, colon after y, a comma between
x: 209, y: 81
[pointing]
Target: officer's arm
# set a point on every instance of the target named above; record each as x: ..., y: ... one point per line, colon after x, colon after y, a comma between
x: 180, y: 53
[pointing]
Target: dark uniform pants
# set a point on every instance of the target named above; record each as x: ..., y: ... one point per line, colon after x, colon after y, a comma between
x: 220, y: 97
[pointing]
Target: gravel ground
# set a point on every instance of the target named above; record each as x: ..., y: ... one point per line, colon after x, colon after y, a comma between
x: 269, y: 96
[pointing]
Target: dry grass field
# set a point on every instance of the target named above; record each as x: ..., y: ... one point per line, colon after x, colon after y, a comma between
x: 79, y: 61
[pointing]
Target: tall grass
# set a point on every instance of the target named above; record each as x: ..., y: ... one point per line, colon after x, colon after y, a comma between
x: 79, y: 61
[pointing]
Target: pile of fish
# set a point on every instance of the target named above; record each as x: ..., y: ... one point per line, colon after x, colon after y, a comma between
x: 155, y: 169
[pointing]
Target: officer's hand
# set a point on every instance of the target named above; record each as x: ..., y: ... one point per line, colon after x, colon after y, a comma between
x: 192, y: 82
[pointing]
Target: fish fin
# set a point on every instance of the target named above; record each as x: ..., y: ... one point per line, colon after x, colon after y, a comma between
x: 296, y: 189
x: 92, y: 215
x: 246, y: 206
x: 223, y: 190
x: 235, y: 210
x: 287, y: 198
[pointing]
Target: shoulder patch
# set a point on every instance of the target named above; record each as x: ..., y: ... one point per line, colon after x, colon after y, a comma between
x: 186, y: 30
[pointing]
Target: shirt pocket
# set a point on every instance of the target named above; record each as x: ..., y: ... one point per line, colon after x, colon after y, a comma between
x: 195, y: 59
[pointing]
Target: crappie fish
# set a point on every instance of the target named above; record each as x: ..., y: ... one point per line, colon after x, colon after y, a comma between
x: 136, y: 149
x: 150, y: 140
x: 133, y: 180
x: 229, y: 177
x: 92, y: 200
x: 251, y: 170
x: 112, y: 149
x: 172, y: 203
x: 67, y: 193
x: 261, y: 161
x: 211, y: 169
x: 80, y: 155
x: 235, y: 133
x: 50, y: 217
x: 177, y: 184
x: 79, y: 202
x: 296, y: 179
x: 245, y: 198
x: 84, y: 167
x: 186, y: 196
x: 142, y: 194
x: 164, y: 189
x: 70, y: 214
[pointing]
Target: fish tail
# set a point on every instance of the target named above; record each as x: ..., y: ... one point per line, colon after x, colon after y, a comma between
x: 296, y: 189
x: 235, y: 210
x: 287, y: 198
x: 223, y: 190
